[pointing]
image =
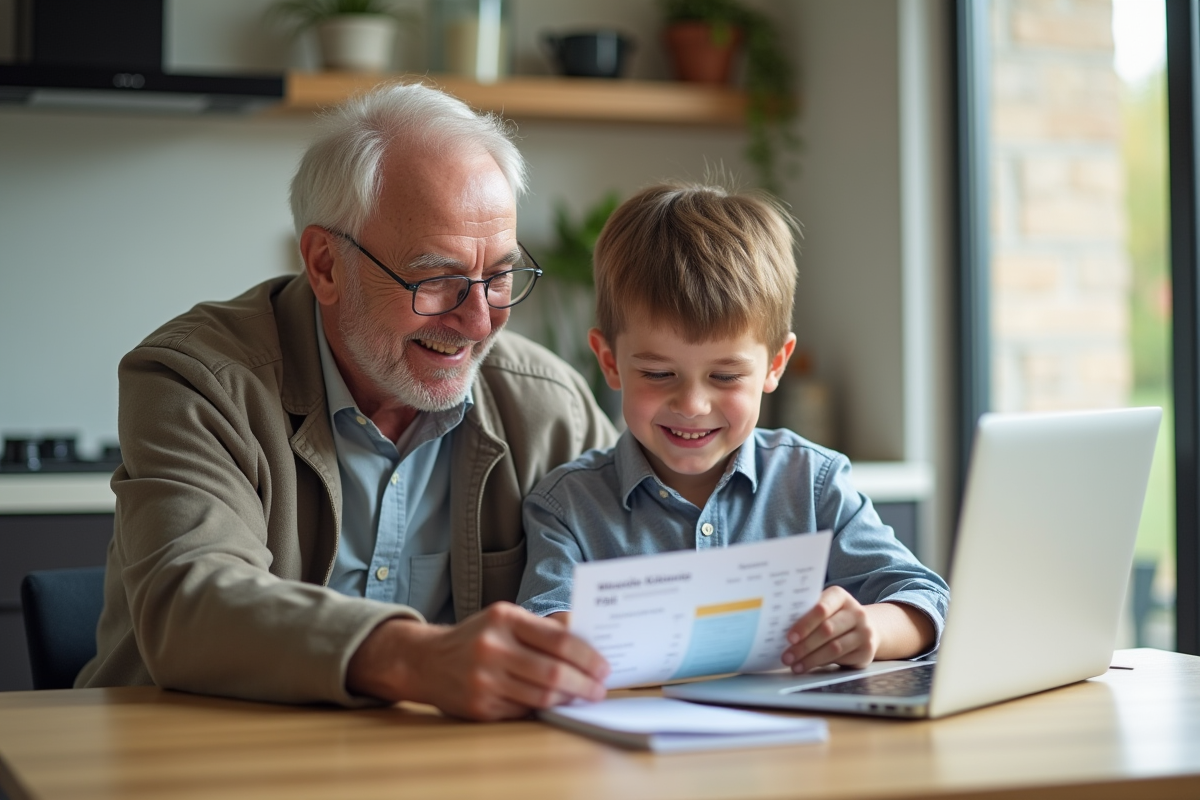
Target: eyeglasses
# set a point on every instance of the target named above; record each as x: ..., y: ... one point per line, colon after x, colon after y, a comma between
x: 443, y: 294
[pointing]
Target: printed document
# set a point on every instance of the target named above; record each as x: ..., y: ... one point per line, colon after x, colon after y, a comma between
x: 688, y: 614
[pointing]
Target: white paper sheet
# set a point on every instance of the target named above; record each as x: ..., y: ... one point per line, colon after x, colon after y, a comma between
x: 665, y: 726
x: 664, y: 715
x: 692, y: 613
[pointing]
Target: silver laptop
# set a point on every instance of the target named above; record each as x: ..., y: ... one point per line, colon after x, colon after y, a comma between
x: 1038, y: 579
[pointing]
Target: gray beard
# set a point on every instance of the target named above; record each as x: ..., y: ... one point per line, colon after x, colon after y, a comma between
x: 380, y: 356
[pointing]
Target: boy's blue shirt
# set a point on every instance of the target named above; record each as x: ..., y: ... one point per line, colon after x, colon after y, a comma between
x: 609, y: 503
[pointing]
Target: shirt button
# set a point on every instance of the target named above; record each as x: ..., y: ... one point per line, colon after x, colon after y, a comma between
x: 395, y: 479
x: 382, y: 573
x: 706, y: 529
x: 360, y: 419
x: 663, y: 494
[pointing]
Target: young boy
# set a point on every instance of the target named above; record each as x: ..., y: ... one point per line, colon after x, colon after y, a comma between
x: 694, y: 293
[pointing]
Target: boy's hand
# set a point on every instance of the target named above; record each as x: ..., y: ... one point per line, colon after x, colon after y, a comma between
x: 837, y: 630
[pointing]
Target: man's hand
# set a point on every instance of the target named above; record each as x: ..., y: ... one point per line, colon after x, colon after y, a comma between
x: 497, y: 664
x: 839, y: 630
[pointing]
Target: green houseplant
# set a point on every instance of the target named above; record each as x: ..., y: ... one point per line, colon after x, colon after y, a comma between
x: 770, y: 107
x: 355, y: 35
x: 571, y: 258
x: 569, y: 298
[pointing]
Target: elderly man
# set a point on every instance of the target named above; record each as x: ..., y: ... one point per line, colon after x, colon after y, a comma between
x: 321, y: 492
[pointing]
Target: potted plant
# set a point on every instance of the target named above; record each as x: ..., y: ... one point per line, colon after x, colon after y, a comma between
x: 703, y: 36
x: 570, y: 298
x: 357, y: 35
x: 571, y: 258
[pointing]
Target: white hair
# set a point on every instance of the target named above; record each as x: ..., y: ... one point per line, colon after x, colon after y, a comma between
x: 338, y: 181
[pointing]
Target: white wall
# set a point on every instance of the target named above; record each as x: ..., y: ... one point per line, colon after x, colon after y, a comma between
x: 112, y: 223
x: 876, y: 298
x: 109, y: 225
x: 927, y: 235
x: 848, y: 199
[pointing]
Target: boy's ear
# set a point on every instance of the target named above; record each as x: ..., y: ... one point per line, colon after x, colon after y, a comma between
x: 779, y: 363
x: 606, y: 357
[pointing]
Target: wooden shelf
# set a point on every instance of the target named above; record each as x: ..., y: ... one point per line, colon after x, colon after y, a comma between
x: 547, y: 98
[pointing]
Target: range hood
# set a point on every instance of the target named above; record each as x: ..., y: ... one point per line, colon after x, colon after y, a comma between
x: 109, y: 54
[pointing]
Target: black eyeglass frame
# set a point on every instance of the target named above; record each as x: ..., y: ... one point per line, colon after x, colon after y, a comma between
x: 462, y: 297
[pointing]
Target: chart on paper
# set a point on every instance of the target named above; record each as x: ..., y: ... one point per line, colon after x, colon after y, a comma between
x: 687, y: 614
x: 722, y: 636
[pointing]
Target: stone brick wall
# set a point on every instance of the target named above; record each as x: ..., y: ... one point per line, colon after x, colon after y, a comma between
x: 1060, y: 273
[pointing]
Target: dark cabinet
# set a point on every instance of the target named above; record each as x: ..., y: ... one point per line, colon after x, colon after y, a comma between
x: 40, y: 541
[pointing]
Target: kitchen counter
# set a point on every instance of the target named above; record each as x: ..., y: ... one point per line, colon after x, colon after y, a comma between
x: 893, y: 481
x: 56, y: 493
x: 88, y: 493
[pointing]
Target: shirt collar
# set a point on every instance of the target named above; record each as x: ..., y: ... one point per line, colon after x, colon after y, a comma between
x: 337, y: 394
x: 633, y: 468
x: 338, y: 397
x: 744, y: 462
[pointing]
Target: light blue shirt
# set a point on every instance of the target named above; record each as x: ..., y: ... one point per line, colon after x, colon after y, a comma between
x: 609, y: 503
x: 395, y: 543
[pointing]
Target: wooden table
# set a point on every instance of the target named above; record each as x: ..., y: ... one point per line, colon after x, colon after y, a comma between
x: 1127, y: 734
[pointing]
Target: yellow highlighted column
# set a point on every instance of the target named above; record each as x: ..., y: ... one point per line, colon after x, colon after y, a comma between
x: 729, y: 608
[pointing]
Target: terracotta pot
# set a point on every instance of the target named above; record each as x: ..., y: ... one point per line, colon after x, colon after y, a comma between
x: 699, y: 56
x: 357, y: 42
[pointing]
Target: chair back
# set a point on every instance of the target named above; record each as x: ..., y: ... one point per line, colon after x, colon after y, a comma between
x: 61, y: 609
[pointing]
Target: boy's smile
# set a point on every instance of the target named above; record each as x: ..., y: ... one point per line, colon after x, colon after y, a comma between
x: 689, y: 404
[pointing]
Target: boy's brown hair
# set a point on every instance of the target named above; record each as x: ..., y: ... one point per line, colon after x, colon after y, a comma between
x: 711, y: 263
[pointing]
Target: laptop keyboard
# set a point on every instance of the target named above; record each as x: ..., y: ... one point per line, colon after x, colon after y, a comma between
x: 902, y: 683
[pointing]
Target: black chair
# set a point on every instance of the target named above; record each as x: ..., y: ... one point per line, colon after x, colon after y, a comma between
x: 61, y: 608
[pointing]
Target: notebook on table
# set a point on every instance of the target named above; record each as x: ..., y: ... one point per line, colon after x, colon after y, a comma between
x: 663, y: 725
x: 1037, y: 579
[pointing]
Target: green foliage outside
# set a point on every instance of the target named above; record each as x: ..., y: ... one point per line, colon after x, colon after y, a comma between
x: 1156, y: 535
x: 1144, y: 147
x: 1144, y: 152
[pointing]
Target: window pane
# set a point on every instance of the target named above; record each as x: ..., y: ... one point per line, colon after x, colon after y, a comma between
x: 1080, y: 284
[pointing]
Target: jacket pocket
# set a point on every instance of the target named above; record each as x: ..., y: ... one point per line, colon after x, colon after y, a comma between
x: 502, y: 572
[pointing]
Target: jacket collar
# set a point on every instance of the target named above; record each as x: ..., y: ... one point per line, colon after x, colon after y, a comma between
x: 303, y: 390
x: 477, y: 447
x: 302, y: 394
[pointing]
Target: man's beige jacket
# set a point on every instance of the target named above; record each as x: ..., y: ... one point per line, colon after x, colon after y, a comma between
x: 229, y: 501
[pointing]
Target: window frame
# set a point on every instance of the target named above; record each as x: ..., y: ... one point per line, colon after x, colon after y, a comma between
x: 1183, y: 105
x: 972, y: 97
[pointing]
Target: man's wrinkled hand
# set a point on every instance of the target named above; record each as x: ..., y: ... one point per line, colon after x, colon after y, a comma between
x: 500, y: 663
